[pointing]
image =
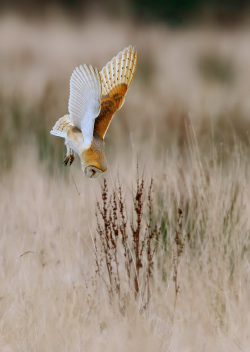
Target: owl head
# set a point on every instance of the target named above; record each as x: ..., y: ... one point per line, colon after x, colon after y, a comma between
x: 93, y: 159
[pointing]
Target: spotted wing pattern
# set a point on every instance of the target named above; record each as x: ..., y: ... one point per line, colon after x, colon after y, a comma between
x: 116, y: 78
x: 62, y: 126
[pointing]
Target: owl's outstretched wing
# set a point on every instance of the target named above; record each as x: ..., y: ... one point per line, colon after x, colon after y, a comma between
x: 116, y: 78
x: 85, y: 99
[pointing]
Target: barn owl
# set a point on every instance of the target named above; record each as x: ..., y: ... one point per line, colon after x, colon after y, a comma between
x: 94, y: 98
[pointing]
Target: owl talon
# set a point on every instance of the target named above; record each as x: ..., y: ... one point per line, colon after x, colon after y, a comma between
x: 66, y: 160
x: 71, y: 159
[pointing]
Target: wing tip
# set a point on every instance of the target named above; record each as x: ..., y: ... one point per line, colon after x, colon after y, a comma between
x: 128, y: 48
x: 57, y: 133
x: 117, y: 70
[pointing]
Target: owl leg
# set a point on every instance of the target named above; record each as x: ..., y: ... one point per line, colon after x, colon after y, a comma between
x: 70, y: 155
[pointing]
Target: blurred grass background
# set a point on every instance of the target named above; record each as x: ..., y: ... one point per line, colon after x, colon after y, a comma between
x: 193, y: 67
x: 186, y: 122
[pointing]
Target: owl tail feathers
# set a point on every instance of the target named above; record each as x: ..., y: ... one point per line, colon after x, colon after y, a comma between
x: 62, y: 126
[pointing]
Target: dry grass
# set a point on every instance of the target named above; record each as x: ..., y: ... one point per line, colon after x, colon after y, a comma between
x: 127, y: 243
x: 185, y: 123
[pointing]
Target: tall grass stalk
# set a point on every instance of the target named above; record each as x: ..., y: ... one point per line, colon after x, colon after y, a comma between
x: 117, y: 247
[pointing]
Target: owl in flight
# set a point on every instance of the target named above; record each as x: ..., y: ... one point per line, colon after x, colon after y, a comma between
x: 94, y: 98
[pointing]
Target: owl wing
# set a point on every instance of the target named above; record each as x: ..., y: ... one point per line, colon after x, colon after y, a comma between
x: 85, y: 99
x: 62, y: 126
x: 116, y: 78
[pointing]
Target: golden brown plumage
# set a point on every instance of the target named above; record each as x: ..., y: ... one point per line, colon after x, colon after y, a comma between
x: 110, y: 104
x: 116, y: 78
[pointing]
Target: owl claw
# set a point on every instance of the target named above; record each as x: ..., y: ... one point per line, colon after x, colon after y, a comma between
x: 68, y: 159
x: 71, y: 159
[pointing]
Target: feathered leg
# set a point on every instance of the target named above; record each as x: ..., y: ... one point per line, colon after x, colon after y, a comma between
x: 70, y: 155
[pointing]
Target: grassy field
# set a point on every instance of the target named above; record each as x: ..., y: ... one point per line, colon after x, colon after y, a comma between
x: 185, y: 124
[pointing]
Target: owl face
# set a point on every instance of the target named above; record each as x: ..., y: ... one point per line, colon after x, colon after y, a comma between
x: 92, y: 172
x: 93, y: 160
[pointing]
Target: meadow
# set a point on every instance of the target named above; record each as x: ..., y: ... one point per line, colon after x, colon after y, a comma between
x: 185, y: 125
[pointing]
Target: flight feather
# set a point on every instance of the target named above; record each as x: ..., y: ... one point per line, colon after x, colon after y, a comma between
x: 85, y: 99
x: 116, y: 78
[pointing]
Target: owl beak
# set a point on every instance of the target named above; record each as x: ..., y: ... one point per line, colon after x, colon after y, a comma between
x: 93, y: 172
